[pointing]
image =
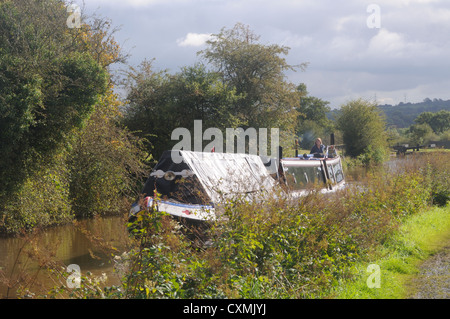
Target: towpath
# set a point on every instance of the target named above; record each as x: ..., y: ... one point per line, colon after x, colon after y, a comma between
x: 433, y: 281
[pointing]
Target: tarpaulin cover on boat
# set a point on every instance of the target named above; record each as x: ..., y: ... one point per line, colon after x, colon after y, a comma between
x: 216, y: 176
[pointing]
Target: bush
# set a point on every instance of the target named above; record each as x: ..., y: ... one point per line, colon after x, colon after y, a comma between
x: 106, y: 164
x: 99, y: 172
x: 363, y: 130
x: 439, y: 174
x: 49, y: 85
x: 42, y: 201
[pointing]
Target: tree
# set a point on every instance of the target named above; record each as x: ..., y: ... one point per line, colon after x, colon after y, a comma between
x: 63, y: 150
x: 420, y: 133
x: 246, y: 87
x: 257, y: 72
x: 312, y: 120
x: 363, y: 130
x: 158, y: 103
x: 49, y: 85
x: 200, y: 95
x: 439, y: 121
x: 312, y: 108
x: 105, y: 163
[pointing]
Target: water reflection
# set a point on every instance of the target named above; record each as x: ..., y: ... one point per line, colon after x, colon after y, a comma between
x: 89, y: 244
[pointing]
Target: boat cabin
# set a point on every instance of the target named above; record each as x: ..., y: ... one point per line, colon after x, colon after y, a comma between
x: 302, y: 173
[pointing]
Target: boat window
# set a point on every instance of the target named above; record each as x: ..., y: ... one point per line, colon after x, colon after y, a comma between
x: 337, y: 168
x: 303, y: 177
x: 331, y: 173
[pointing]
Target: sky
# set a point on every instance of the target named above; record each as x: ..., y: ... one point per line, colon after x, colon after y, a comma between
x: 388, y: 51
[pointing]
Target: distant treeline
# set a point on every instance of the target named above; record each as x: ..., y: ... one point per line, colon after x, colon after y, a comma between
x: 404, y: 114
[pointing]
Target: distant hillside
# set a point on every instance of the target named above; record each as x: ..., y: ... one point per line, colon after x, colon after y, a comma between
x: 404, y: 114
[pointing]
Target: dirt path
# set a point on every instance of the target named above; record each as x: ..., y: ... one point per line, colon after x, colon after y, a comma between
x: 433, y: 282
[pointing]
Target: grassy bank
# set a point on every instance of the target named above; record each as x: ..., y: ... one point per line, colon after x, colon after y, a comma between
x: 419, y: 237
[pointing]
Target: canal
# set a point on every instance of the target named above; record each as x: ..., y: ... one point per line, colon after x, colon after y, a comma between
x: 91, y: 244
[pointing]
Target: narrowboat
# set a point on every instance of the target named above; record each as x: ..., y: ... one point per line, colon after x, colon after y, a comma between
x: 191, y: 185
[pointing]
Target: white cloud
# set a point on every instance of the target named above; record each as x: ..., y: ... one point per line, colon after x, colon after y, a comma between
x: 295, y: 41
x: 393, y: 46
x: 194, y: 39
x: 387, y: 42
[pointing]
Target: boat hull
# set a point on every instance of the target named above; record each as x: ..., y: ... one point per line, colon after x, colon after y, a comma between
x: 189, y: 212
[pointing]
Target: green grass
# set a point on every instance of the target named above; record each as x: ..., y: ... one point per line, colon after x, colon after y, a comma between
x: 400, y: 257
x: 431, y: 150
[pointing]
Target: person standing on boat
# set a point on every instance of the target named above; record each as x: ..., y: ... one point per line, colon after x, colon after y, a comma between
x: 318, y: 147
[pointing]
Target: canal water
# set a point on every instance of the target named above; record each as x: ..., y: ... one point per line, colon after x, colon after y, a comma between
x: 90, y: 244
